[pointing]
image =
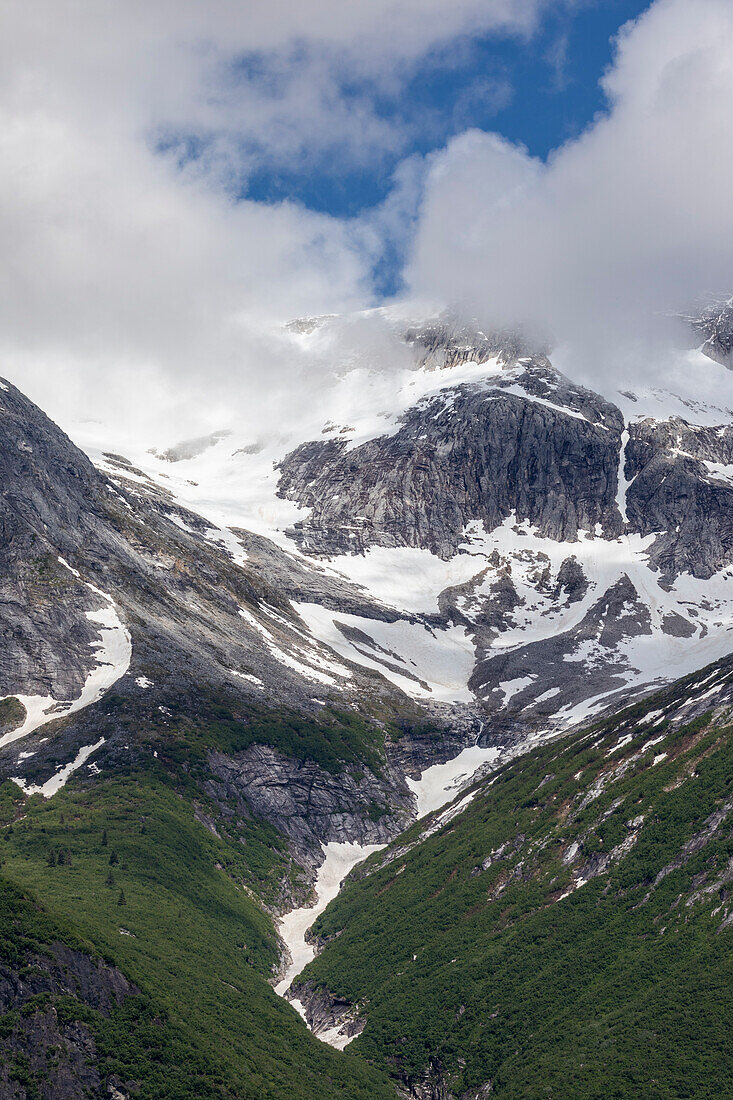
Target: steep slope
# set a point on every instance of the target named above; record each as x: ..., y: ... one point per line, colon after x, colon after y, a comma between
x: 115, y: 586
x: 181, y: 1007
x: 567, y: 914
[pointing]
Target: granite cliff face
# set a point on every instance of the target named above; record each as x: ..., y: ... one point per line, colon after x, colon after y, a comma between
x: 50, y: 505
x: 526, y: 444
x: 310, y: 806
x: 529, y: 444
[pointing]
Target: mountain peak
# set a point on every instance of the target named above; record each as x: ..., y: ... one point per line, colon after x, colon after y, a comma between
x: 715, y: 324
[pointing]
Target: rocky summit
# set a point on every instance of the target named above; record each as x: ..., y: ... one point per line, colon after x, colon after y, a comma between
x: 233, y: 667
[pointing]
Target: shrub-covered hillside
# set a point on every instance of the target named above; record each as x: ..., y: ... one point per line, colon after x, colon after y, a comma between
x: 568, y: 934
x: 134, y: 953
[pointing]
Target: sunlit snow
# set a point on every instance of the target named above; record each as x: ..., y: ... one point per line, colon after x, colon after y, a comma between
x: 57, y: 781
x: 424, y: 662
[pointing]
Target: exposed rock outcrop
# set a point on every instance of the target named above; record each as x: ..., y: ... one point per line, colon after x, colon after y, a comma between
x: 51, y: 1045
x: 548, y: 453
x: 312, y: 806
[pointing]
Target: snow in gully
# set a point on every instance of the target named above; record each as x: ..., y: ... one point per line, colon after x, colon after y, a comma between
x: 436, y: 786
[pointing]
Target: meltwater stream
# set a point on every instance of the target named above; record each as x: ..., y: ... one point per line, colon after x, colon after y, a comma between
x: 436, y: 786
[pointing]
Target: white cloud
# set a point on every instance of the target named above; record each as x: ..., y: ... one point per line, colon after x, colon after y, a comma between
x: 130, y: 280
x: 127, y: 277
x: 626, y: 223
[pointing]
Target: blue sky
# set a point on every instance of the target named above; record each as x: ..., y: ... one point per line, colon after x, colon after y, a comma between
x: 538, y: 91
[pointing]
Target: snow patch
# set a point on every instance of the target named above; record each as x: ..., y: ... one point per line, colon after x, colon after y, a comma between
x: 247, y: 676
x: 440, y: 783
x: 310, y: 655
x: 436, y: 786
x: 550, y: 694
x: 112, y: 653
x: 513, y: 687
x: 423, y: 662
x: 623, y: 484
x: 57, y: 781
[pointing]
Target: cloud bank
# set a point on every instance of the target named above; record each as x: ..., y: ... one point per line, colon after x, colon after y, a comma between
x: 132, y: 270
x: 136, y: 277
x: 621, y: 227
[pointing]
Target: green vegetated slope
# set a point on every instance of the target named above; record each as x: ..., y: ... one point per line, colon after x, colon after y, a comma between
x: 70, y: 1023
x: 569, y: 933
x: 124, y: 868
x: 193, y: 723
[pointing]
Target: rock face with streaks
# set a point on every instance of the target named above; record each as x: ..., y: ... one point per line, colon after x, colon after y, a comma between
x: 326, y: 1013
x: 60, y: 1049
x: 310, y: 805
x: 48, y: 497
x: 531, y: 445
x: 445, y: 341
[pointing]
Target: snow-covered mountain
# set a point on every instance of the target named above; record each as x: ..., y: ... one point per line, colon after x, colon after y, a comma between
x: 514, y: 543
x: 454, y: 533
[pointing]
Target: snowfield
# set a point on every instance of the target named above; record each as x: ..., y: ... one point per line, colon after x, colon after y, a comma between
x: 425, y: 663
